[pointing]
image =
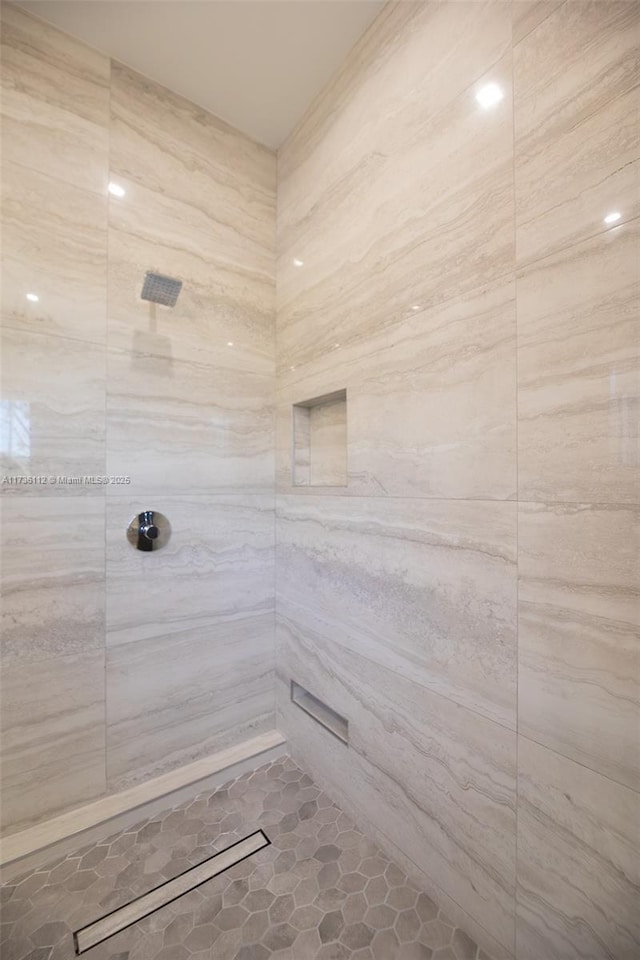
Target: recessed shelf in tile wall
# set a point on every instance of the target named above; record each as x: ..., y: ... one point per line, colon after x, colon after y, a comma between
x: 320, y: 441
x: 321, y: 712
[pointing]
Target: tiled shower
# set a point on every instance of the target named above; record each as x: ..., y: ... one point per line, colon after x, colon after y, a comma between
x: 393, y: 421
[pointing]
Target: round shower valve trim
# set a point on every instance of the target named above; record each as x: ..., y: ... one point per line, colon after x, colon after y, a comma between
x: 149, y: 530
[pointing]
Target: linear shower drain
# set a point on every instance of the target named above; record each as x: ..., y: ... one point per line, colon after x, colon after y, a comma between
x: 112, y: 923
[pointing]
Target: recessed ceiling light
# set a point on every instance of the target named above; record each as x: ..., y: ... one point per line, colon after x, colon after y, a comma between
x: 33, y: 297
x: 415, y: 307
x: 297, y: 262
x: 116, y: 190
x: 488, y: 95
x: 613, y: 217
x: 230, y: 343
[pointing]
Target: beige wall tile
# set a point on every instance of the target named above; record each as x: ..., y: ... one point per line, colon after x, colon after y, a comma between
x: 54, y: 244
x: 578, y: 857
x: 53, y: 755
x: 424, y: 588
x: 437, y: 779
x: 578, y: 383
x: 52, y: 589
x: 205, y: 428
x: 578, y: 641
x: 55, y: 102
x: 174, y: 698
x: 577, y: 144
x: 218, y: 566
x: 54, y: 399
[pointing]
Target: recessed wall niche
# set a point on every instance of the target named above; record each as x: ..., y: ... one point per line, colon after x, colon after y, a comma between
x: 320, y: 441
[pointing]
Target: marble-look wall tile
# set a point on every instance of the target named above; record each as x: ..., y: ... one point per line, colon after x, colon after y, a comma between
x: 432, y: 410
x: 54, y: 244
x: 53, y: 412
x: 53, y: 752
x: 224, y: 314
x: 578, y: 384
x: 527, y: 14
x: 431, y: 403
x: 578, y: 861
x: 436, y: 778
x: 206, y: 428
x: 577, y: 104
x: 52, y: 589
x: 415, y: 226
x: 209, y: 172
x: 55, y: 102
x: 578, y: 639
x: 218, y: 566
x: 426, y: 589
x: 175, y: 698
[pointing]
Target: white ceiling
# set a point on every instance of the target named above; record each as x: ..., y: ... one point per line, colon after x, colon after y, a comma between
x: 255, y: 63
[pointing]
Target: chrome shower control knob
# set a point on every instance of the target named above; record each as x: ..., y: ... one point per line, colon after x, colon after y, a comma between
x: 149, y: 530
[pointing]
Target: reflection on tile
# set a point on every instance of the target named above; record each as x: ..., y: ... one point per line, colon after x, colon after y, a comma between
x: 578, y: 395
x: 426, y: 771
x: 424, y: 588
x: 218, y: 565
x: 219, y: 304
x: 579, y: 655
x: 55, y: 102
x: 54, y: 244
x: 578, y: 861
x: 53, y: 577
x: 211, y: 175
x: 205, y: 428
x: 53, y: 754
x: 577, y: 104
x: 172, y: 699
x: 52, y: 412
x: 413, y: 226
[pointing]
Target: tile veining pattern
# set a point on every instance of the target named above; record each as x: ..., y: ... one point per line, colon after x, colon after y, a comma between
x: 321, y: 891
x: 97, y: 383
x: 469, y: 600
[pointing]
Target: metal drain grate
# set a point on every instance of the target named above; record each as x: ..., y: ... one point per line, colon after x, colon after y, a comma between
x: 112, y: 923
x: 161, y: 289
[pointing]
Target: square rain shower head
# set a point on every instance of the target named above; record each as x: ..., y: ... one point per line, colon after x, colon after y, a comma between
x: 160, y: 289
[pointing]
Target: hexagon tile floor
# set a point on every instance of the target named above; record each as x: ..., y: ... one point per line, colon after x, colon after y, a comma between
x: 321, y: 891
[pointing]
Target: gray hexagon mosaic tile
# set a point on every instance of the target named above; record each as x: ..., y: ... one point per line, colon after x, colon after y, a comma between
x: 320, y: 891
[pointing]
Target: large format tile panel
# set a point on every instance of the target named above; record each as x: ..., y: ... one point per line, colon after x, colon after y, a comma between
x: 54, y: 412
x: 175, y: 698
x: 435, y: 779
x: 577, y: 104
x: 424, y: 588
x: 176, y: 426
x: 52, y: 577
x: 209, y: 172
x: 53, y: 748
x: 224, y: 314
x: 54, y: 245
x: 578, y: 861
x: 217, y: 566
x: 430, y: 403
x: 578, y: 384
x: 578, y: 638
x: 55, y: 102
x: 420, y: 227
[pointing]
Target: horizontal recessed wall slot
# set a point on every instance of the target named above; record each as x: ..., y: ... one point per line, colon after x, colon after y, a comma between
x: 320, y: 712
x: 320, y: 441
